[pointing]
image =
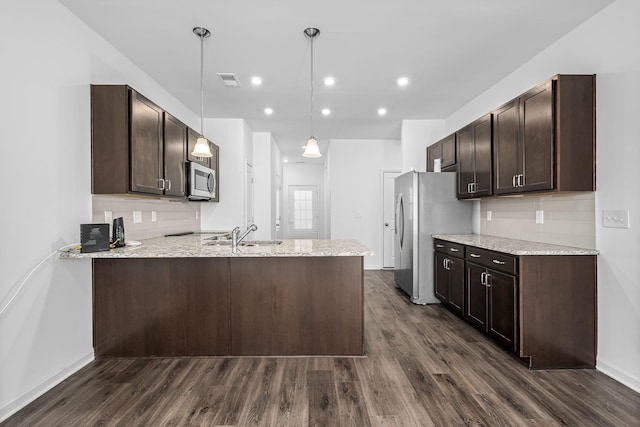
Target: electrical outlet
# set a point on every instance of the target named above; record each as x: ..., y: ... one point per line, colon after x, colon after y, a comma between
x: 489, y: 215
x: 197, y: 215
x: 108, y: 217
x: 539, y: 217
x: 137, y: 217
x: 154, y: 216
x: 615, y: 219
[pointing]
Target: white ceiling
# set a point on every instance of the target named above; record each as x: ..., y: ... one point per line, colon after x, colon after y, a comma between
x: 451, y: 50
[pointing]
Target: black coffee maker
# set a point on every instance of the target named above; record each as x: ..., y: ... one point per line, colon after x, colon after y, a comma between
x: 117, y: 240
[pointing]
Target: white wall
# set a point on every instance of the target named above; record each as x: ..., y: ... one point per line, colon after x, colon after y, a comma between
x: 416, y: 136
x: 606, y: 45
x: 356, y: 191
x: 235, y: 139
x: 267, y: 163
x: 303, y: 174
x: 45, y: 334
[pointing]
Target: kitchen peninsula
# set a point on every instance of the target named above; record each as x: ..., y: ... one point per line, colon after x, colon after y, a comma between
x: 191, y: 296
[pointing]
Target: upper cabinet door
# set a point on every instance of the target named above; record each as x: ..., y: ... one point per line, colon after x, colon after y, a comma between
x: 175, y: 142
x: 448, y: 150
x: 474, y: 158
x: 466, y: 161
x: 506, y: 147
x: 146, y: 146
x: 537, y: 138
x: 482, y: 137
x: 434, y: 151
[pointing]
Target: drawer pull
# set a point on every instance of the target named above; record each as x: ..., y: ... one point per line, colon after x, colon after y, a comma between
x: 495, y: 261
x: 474, y: 255
x: 453, y: 249
x: 439, y: 246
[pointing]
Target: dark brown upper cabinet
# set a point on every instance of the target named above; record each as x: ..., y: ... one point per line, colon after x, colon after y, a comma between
x: 175, y: 143
x: 544, y: 140
x: 136, y: 147
x: 445, y: 150
x: 474, y: 158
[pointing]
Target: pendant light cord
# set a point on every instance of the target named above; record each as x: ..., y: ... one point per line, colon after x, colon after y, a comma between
x: 311, y: 103
x: 202, y: 84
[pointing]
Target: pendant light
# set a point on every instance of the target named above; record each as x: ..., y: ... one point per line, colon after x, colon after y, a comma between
x: 201, y: 148
x: 311, y: 149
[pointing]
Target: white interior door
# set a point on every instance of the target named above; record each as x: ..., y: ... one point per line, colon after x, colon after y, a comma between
x: 303, y: 211
x: 388, y: 218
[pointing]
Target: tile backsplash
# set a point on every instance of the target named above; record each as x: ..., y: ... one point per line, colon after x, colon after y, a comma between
x: 569, y: 219
x: 171, y: 216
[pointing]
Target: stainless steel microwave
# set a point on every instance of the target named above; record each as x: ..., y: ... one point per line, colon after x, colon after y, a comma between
x: 201, y: 182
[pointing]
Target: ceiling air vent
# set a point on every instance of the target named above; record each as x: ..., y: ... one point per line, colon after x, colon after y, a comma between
x: 229, y: 79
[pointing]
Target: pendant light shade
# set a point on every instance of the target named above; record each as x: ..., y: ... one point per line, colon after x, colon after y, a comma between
x: 201, y: 148
x: 311, y: 149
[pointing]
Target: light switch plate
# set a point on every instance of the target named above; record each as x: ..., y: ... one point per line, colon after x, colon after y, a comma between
x: 108, y: 217
x: 539, y: 217
x: 489, y: 215
x: 615, y: 219
x: 137, y: 217
x: 154, y: 216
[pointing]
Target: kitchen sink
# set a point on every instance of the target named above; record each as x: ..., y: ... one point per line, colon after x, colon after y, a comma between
x: 260, y: 243
x: 245, y: 243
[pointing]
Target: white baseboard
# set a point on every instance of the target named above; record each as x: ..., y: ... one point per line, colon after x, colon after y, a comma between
x: 372, y: 267
x: 616, y: 374
x: 45, y: 386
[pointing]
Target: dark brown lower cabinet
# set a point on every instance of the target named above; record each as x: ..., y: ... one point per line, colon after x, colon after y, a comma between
x: 449, y: 281
x: 540, y: 307
x: 228, y: 306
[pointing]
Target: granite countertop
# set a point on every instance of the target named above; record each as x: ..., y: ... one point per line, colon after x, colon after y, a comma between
x: 513, y: 246
x: 201, y: 245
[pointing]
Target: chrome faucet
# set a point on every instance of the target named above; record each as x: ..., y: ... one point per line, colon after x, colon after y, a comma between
x: 236, y: 237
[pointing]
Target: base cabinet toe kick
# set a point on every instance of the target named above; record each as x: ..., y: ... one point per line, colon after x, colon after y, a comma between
x: 542, y: 308
x: 278, y: 306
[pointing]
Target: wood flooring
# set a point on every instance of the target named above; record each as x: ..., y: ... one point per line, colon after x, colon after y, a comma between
x: 424, y: 367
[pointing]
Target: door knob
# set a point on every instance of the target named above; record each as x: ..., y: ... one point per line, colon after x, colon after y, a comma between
x: 386, y: 224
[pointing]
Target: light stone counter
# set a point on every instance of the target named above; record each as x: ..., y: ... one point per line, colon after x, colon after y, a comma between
x: 200, y: 245
x: 513, y: 246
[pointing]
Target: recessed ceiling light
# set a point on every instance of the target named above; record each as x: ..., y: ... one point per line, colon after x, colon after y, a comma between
x: 326, y: 111
x: 329, y: 81
x: 268, y: 111
x: 382, y: 111
x: 256, y: 81
x: 403, y: 81
x: 285, y: 160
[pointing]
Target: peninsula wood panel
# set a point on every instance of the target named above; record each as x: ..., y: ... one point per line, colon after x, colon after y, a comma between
x: 161, y: 307
x: 297, y: 306
x: 558, y: 310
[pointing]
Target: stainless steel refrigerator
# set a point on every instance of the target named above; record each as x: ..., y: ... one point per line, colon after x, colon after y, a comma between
x: 426, y: 204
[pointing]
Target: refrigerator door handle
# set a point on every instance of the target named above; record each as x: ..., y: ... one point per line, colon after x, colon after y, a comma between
x: 400, y: 217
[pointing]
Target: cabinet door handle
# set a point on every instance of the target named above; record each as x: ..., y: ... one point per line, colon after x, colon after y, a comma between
x: 453, y: 249
x: 168, y: 184
x: 513, y: 181
x: 474, y: 255
x: 439, y: 246
x: 444, y: 263
x: 469, y: 188
x: 161, y: 183
x: 482, y: 278
x: 497, y: 261
x: 487, y: 276
x: 521, y: 180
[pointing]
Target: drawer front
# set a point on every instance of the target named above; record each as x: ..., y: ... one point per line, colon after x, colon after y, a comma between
x: 449, y: 248
x: 494, y: 260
